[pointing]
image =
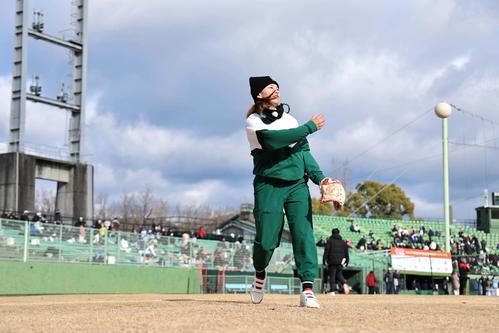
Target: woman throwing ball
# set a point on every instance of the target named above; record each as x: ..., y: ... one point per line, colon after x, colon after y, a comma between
x: 283, y: 165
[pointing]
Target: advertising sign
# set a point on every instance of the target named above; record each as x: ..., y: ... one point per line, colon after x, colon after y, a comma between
x: 421, y: 261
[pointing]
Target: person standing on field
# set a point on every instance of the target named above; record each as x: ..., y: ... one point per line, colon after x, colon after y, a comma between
x: 371, y: 283
x: 456, y: 286
x: 282, y: 165
x: 336, y: 257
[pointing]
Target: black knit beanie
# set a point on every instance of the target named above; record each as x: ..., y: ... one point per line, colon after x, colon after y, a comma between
x: 258, y: 83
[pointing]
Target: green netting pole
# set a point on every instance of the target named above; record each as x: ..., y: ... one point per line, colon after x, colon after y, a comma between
x: 26, y: 231
x: 91, y: 248
x: 105, y: 247
x: 119, y: 248
x: 60, y: 242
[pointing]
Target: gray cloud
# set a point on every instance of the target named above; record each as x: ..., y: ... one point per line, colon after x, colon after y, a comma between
x: 168, y: 90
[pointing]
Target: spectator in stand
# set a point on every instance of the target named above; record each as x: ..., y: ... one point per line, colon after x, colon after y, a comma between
x: 57, y: 217
x: 150, y: 251
x: 82, y: 236
x: 371, y: 283
x: 201, y: 233
x: 115, y: 224
x: 43, y: 219
x: 186, y: 247
x: 102, y: 232
x: 80, y: 222
x: 354, y: 227
x: 97, y: 224
x: 32, y: 229
x: 476, y: 244
x: 5, y: 214
x: 361, y: 244
x: 483, y: 244
x: 37, y: 217
x: 24, y: 216
x: 464, y: 268
x: 430, y: 233
x: 321, y: 242
x: 108, y: 225
x: 240, y: 257
x: 335, y: 257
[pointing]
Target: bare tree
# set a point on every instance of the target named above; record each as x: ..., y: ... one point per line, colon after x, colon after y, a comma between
x: 146, y: 198
x: 129, y: 208
x: 143, y: 208
x: 45, y: 201
x: 101, y: 202
x: 160, y: 210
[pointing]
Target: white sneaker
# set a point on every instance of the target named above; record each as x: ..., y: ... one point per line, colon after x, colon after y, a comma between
x: 256, y: 292
x: 332, y: 293
x: 308, y: 299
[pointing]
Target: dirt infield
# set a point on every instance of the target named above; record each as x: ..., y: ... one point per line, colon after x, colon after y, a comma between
x: 234, y: 313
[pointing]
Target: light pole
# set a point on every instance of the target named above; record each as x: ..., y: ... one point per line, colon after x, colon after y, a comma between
x: 443, y: 110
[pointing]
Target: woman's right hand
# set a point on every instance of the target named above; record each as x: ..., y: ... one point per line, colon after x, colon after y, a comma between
x: 319, y: 120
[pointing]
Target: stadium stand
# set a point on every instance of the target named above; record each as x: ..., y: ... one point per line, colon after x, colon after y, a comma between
x: 48, y: 242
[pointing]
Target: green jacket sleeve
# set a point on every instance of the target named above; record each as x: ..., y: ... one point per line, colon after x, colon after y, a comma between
x: 312, y: 168
x: 275, y: 139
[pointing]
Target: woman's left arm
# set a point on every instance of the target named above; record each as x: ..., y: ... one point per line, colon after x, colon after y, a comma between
x: 312, y: 168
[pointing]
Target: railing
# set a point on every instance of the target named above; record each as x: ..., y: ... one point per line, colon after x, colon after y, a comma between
x: 36, y: 241
x: 230, y: 284
x: 51, y: 152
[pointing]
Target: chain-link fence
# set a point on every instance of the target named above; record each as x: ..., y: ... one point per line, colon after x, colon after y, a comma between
x: 36, y: 241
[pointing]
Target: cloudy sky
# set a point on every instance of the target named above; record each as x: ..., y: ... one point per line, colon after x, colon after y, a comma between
x: 168, y: 88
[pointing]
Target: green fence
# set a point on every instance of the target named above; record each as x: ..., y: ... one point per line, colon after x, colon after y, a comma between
x: 35, y: 242
x: 31, y: 278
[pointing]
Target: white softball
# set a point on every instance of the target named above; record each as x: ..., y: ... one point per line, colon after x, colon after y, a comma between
x: 443, y: 110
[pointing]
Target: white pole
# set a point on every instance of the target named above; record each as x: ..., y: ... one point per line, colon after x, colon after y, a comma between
x: 443, y: 110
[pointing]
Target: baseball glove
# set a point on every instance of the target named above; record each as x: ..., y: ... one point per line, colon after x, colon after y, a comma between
x: 332, y: 191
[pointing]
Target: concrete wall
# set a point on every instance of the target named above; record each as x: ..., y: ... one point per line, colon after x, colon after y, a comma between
x: 75, y: 184
x: 50, y: 170
x: 7, y: 181
x: 76, y: 197
x: 26, y: 180
x: 18, y: 278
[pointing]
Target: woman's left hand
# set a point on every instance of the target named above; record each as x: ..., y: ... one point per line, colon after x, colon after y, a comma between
x: 319, y: 120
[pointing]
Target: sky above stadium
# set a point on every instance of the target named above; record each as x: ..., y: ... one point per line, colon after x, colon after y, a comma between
x: 168, y: 89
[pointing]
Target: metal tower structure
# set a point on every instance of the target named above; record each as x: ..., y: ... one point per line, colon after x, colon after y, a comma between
x: 21, y: 166
x: 77, y: 47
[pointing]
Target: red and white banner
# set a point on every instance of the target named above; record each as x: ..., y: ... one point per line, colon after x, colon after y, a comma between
x: 421, y: 261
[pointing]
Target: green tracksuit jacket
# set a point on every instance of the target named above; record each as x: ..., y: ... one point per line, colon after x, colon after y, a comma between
x: 282, y: 164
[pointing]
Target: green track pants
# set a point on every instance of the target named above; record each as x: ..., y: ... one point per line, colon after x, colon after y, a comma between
x: 273, y: 199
